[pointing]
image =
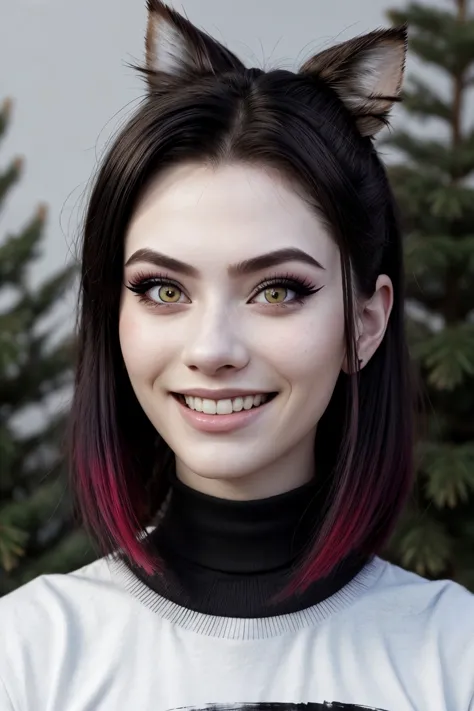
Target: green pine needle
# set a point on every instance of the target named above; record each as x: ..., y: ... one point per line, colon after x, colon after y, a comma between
x: 449, y: 473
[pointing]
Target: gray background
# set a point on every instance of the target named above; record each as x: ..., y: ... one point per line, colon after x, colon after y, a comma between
x: 64, y: 64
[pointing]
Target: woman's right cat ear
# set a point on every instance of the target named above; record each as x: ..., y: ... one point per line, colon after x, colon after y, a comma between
x: 175, y: 48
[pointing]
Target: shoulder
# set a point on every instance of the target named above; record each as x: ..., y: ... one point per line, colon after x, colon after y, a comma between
x: 425, y: 629
x: 417, y: 595
x: 439, y: 614
x: 414, y: 595
x: 48, y: 601
x: 46, y: 622
x: 46, y: 586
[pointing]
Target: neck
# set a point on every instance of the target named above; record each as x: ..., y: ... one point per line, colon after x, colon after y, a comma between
x: 235, y: 558
x: 239, y: 536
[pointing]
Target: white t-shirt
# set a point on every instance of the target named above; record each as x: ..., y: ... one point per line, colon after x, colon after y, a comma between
x: 99, y: 640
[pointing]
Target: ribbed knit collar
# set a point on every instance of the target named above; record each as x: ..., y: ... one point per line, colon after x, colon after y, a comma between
x: 235, y: 558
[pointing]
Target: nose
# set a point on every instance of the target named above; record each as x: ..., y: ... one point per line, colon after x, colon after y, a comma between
x: 214, y: 343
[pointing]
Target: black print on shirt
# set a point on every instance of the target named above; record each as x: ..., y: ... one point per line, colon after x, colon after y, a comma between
x: 332, y: 705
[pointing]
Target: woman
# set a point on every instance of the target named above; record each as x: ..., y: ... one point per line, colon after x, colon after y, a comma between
x: 241, y: 425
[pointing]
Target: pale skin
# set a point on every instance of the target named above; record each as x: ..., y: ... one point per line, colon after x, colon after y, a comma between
x: 216, y: 328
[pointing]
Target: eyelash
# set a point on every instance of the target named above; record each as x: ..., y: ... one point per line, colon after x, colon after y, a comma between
x: 303, y: 288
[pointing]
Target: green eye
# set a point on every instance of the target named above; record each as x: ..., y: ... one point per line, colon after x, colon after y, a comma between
x: 276, y: 295
x: 169, y: 294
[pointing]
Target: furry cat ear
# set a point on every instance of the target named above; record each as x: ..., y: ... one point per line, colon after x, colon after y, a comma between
x: 175, y: 48
x: 367, y: 74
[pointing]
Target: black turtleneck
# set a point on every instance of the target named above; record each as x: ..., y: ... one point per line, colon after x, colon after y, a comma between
x: 232, y: 558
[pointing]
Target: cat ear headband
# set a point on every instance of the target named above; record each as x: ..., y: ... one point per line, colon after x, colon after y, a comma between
x: 366, y: 72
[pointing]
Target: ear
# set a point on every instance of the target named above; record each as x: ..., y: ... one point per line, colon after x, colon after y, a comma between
x: 176, y: 48
x: 372, y: 321
x: 367, y: 74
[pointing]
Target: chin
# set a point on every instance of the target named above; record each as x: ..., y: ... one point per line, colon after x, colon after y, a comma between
x: 216, y: 468
x: 232, y: 467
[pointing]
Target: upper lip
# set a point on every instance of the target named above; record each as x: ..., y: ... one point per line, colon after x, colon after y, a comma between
x: 222, y: 394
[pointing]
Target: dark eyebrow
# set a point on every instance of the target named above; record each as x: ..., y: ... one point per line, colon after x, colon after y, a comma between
x: 161, y: 260
x: 273, y: 259
x: 248, y: 266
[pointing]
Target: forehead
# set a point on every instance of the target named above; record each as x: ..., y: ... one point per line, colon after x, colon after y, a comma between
x: 212, y: 214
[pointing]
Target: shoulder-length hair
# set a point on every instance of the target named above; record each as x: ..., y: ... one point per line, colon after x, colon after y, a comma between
x: 207, y: 107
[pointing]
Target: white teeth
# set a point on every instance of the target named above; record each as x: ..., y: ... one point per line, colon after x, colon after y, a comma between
x: 209, y: 407
x: 237, y: 404
x: 224, y: 407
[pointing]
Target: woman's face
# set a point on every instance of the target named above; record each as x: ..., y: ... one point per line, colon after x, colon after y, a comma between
x: 238, y: 293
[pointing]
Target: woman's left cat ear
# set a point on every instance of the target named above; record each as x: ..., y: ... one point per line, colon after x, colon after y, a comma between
x: 367, y: 74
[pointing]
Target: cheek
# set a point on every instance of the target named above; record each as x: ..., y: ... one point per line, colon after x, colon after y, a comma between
x: 308, y: 350
x: 313, y: 366
x: 141, y: 346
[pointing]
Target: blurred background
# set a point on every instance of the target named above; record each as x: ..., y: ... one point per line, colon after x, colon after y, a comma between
x: 65, y: 88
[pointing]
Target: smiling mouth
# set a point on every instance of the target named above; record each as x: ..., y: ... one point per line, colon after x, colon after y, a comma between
x: 227, y: 406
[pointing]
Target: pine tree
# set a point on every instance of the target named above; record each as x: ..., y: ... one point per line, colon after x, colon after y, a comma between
x: 37, y: 529
x: 433, y: 182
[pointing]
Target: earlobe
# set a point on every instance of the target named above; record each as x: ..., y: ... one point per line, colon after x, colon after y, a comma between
x: 374, y: 316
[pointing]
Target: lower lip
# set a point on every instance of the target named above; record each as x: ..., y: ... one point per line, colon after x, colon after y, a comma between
x: 220, y: 423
